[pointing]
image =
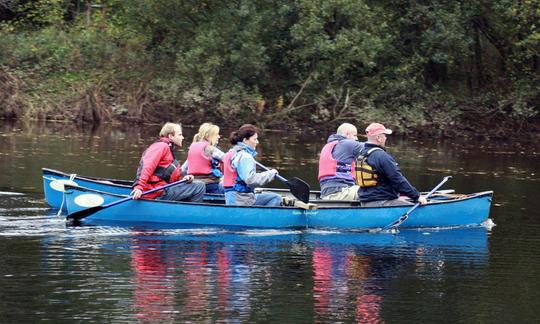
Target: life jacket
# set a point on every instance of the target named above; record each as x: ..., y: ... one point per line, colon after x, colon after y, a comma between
x: 198, y: 162
x: 330, y: 167
x: 366, y: 175
x: 229, y: 174
x: 231, y: 180
x: 167, y: 171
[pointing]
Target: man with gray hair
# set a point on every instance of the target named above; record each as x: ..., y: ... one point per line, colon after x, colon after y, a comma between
x: 337, y: 164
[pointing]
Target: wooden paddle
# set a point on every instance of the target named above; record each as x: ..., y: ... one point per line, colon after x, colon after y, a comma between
x: 299, y: 188
x: 404, y: 217
x: 89, y: 211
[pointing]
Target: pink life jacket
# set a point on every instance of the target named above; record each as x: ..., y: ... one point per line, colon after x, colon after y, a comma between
x: 198, y: 162
x: 229, y: 174
x: 330, y: 167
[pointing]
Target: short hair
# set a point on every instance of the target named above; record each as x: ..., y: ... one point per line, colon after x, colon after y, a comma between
x: 168, y: 129
x: 245, y: 131
x: 206, y: 131
x: 345, y: 128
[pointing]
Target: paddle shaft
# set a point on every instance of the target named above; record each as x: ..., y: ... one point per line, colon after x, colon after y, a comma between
x: 299, y: 188
x: 404, y: 217
x: 280, y: 178
x: 89, y: 211
x: 114, y: 203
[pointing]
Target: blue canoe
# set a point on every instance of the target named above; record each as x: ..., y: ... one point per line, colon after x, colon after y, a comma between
x: 447, y: 211
x: 54, y: 181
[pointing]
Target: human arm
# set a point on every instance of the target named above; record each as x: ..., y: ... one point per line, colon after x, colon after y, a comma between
x: 148, y: 164
x: 214, y: 152
x: 389, y: 168
x: 246, y: 168
x: 184, y: 168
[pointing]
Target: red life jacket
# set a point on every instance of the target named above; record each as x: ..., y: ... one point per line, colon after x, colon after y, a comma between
x: 229, y: 174
x: 167, y: 169
x: 198, y: 162
x: 330, y: 167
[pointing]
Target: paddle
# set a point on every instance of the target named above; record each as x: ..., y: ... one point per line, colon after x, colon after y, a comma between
x: 89, y: 211
x: 404, y: 217
x: 299, y: 188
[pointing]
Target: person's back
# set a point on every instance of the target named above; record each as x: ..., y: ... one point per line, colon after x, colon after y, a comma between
x: 378, y: 174
x: 337, y: 164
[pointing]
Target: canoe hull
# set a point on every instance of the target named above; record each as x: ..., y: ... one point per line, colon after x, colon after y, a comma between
x: 53, y: 186
x: 472, y: 210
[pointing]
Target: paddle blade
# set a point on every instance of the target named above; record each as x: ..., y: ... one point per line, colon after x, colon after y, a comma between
x: 299, y: 189
x: 84, y: 213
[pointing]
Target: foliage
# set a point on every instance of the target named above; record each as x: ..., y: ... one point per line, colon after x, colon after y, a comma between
x: 426, y: 65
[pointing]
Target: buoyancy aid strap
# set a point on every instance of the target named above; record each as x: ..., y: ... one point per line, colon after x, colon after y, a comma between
x: 366, y: 175
x: 165, y: 172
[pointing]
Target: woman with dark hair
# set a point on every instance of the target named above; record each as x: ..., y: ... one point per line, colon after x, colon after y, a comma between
x: 240, y: 174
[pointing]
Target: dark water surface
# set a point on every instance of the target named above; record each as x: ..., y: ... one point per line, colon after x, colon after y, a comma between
x: 50, y: 271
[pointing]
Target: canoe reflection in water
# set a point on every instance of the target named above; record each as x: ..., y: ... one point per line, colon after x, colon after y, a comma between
x: 324, y: 277
x: 339, y: 277
x: 154, y: 290
x: 193, y: 283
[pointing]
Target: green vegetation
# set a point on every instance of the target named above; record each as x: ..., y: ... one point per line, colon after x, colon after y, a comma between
x: 436, y: 66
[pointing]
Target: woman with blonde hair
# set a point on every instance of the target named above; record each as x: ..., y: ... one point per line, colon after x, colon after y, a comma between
x: 204, y: 158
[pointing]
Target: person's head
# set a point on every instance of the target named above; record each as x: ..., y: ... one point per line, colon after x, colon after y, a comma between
x: 246, y: 134
x: 347, y: 130
x: 207, y: 132
x: 173, y: 132
x: 376, y: 134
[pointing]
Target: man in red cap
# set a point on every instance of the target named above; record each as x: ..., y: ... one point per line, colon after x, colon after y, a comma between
x: 378, y: 175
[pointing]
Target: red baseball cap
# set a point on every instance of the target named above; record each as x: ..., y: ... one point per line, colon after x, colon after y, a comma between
x: 376, y: 129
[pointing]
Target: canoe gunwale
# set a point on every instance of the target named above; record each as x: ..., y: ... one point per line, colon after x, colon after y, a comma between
x: 109, y: 181
x: 319, y: 203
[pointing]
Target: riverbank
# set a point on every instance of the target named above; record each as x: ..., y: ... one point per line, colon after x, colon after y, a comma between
x: 459, y: 71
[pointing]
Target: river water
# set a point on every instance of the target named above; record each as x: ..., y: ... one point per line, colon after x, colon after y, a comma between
x: 54, y: 272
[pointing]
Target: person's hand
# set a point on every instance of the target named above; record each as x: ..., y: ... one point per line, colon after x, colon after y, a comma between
x: 422, y: 200
x: 274, y: 171
x: 189, y: 178
x: 136, y: 193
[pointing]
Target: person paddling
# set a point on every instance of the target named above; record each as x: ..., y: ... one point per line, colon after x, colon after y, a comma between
x: 204, y: 158
x: 378, y: 174
x: 240, y: 174
x: 158, y: 166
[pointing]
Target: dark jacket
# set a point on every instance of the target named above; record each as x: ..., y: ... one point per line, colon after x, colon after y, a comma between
x: 390, y: 183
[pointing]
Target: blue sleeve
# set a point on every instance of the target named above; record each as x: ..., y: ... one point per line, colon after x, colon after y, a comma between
x: 246, y: 167
x: 347, y: 150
